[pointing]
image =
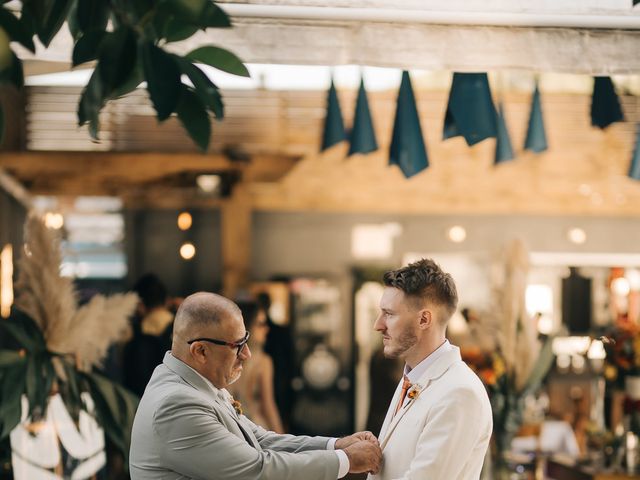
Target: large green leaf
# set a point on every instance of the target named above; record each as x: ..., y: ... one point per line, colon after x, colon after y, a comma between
x: 11, y: 390
x: 541, y: 367
x: 16, y: 29
x: 115, y: 409
x: 136, y: 77
x: 87, y: 47
x: 93, y: 14
x: 49, y: 18
x: 163, y: 79
x: 204, y: 87
x: 11, y: 357
x: 194, y: 118
x: 219, y: 58
x: 91, y: 102
x: 117, y: 58
x: 175, y: 30
x: 24, y: 330
x: 202, y: 13
x: 13, y: 74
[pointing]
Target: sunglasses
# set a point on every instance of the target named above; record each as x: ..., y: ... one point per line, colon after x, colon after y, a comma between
x: 239, y: 345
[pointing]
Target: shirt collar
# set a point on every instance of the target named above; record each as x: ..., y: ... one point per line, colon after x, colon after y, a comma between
x: 414, y: 374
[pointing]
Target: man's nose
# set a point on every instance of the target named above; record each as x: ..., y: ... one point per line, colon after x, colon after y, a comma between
x: 378, y: 325
x: 245, y: 353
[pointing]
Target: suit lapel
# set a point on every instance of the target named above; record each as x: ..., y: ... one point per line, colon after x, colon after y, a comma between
x: 432, y: 373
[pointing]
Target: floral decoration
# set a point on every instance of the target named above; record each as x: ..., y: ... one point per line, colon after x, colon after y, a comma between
x: 414, y: 391
x: 237, y: 406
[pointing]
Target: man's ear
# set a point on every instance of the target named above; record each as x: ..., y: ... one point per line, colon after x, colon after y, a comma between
x: 426, y: 319
x: 198, y: 352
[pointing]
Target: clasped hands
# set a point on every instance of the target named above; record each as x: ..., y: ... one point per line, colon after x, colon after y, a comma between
x: 363, y: 451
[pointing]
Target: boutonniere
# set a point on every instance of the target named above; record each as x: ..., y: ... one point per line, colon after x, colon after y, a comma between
x: 237, y: 406
x: 414, y: 391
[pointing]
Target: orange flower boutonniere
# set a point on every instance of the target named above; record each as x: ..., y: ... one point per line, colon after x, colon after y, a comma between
x: 415, y: 390
x: 237, y: 406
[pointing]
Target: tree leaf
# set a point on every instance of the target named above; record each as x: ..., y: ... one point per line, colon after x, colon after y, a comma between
x: 13, y: 73
x: 219, y: 58
x: 10, y: 357
x: 24, y: 330
x: 194, y: 118
x: 175, y: 30
x: 91, y: 102
x: 16, y: 30
x: 215, y: 17
x: 72, y: 21
x: 33, y: 382
x: 87, y: 46
x: 163, y: 79
x: 93, y: 14
x: 47, y: 26
x: 117, y: 58
x: 204, y: 87
x: 136, y: 77
x: 11, y: 390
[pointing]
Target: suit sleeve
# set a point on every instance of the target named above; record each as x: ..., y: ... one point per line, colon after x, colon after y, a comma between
x: 197, y: 445
x: 288, y: 443
x: 451, y: 434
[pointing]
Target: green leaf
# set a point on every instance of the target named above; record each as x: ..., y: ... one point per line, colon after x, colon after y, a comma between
x: 175, y: 30
x: 10, y: 357
x: 214, y: 17
x: 115, y: 409
x: 72, y: 21
x: 93, y: 14
x: 86, y: 48
x: 163, y: 79
x: 91, y: 102
x: 48, y: 25
x: 16, y: 30
x: 11, y: 390
x: 204, y: 87
x: 194, y: 118
x: 541, y: 367
x: 24, y: 330
x: 33, y: 382
x: 117, y: 59
x: 219, y: 58
x: 136, y: 77
x: 13, y: 73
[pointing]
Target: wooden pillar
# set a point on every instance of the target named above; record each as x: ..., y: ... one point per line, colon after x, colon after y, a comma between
x: 236, y: 241
x: 13, y: 106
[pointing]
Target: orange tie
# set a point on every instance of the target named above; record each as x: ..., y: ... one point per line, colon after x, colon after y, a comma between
x: 406, y: 385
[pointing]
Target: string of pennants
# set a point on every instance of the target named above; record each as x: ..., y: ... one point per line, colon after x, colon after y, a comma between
x: 470, y: 114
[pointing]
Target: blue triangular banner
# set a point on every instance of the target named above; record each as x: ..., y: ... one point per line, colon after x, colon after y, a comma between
x: 634, y: 168
x: 470, y: 110
x: 504, y: 150
x: 334, y: 131
x: 407, y: 148
x: 363, y: 135
x: 536, y: 139
x: 605, y: 104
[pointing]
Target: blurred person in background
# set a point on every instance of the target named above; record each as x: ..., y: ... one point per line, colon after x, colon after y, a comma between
x: 255, y: 387
x: 152, y: 329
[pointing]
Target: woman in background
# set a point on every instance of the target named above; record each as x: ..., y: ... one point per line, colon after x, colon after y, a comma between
x: 254, y: 388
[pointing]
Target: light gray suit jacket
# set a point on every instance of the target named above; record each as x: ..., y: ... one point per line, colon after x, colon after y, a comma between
x: 183, y: 430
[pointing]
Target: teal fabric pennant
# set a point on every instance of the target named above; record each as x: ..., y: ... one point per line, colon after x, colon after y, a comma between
x: 407, y: 149
x: 634, y: 168
x: 334, y: 131
x: 605, y: 104
x: 363, y: 135
x: 470, y: 110
x: 536, y: 139
x: 504, y: 150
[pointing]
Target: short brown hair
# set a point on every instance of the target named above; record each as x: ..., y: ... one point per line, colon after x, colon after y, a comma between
x: 424, y: 280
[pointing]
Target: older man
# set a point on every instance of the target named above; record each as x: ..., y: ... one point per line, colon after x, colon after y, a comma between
x: 188, y: 427
x: 439, y: 421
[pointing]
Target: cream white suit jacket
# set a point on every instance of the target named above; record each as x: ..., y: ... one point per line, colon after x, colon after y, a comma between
x: 444, y: 432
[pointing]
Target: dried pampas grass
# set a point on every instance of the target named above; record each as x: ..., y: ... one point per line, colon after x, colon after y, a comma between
x: 50, y: 299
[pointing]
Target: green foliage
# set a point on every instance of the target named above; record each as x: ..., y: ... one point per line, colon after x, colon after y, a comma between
x: 127, y: 39
x: 30, y: 371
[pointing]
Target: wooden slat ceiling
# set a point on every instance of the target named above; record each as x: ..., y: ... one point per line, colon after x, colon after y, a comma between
x: 270, y: 140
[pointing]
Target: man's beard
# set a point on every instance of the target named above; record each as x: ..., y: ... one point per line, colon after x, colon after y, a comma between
x: 404, y: 342
x: 236, y: 376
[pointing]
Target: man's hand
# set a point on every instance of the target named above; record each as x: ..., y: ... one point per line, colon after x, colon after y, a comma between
x: 344, y: 442
x: 364, y: 456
